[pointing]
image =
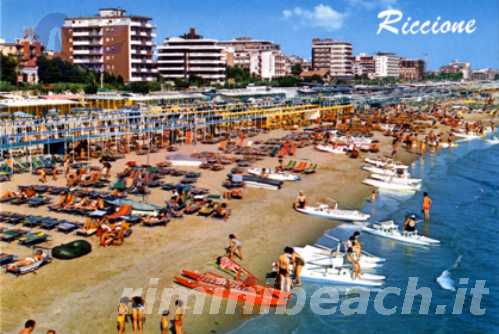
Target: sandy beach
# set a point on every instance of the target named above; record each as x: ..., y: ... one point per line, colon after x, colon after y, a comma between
x: 81, y: 295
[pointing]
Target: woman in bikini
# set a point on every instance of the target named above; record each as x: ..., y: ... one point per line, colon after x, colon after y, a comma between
x: 138, y: 314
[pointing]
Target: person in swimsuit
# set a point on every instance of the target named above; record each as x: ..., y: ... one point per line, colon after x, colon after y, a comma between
x: 138, y: 314
x: 179, y: 317
x: 298, y: 263
x: 122, y: 314
x: 29, y: 327
x: 410, y: 224
x: 235, y: 247
x: 352, y: 258
x: 164, y: 322
x: 284, y: 272
x: 39, y: 256
x: 426, y: 206
x: 301, y: 201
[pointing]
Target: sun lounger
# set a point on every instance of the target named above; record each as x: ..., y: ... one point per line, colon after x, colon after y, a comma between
x: 291, y: 164
x: 37, y: 201
x: 11, y: 235
x: 310, y: 169
x: 33, y: 238
x: 6, y: 258
x: 32, y: 221
x: 49, y: 223
x: 66, y: 227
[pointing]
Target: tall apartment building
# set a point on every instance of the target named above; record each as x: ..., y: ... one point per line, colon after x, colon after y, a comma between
x: 364, y: 65
x: 332, y: 55
x: 111, y: 42
x: 387, y: 65
x: 412, y: 69
x: 261, y: 58
x: 191, y: 55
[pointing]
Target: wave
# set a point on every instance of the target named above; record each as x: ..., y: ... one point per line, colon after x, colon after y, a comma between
x: 445, y: 279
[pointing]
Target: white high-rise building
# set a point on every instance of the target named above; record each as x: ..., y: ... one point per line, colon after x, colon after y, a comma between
x: 191, y: 55
x: 111, y: 42
x: 335, y: 56
x: 387, y: 65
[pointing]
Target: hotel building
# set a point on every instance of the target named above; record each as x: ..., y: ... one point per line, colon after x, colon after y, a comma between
x: 364, y: 65
x: 261, y: 58
x: 111, y: 42
x: 332, y: 55
x: 191, y: 55
x: 412, y: 69
x: 387, y: 65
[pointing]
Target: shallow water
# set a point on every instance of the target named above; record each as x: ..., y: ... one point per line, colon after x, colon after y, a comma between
x: 464, y: 185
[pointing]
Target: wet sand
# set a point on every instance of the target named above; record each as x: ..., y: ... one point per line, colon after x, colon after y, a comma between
x: 81, y: 295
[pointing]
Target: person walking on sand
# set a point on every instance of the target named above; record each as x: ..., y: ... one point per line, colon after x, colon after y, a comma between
x: 122, y: 314
x: 179, y: 317
x: 138, y: 314
x: 29, y: 327
x: 164, y: 322
x: 426, y: 206
x: 284, y: 272
x: 235, y: 247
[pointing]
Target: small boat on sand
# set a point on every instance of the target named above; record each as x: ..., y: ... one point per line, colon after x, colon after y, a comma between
x: 341, y: 149
x: 386, y: 171
x: 388, y: 229
x: 272, y: 174
x: 216, y: 285
x: 261, y: 182
x: 324, y: 211
x: 384, y: 185
x: 385, y: 163
x: 395, y: 179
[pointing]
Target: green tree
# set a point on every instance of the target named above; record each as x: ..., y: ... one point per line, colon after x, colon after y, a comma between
x: 141, y: 87
x: 8, y: 69
x: 296, y: 69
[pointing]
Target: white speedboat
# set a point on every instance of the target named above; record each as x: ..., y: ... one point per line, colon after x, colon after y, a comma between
x: 492, y: 141
x: 447, y: 145
x: 383, y: 185
x: 388, y: 229
x: 336, y: 258
x: 386, y: 171
x: 341, y: 149
x: 395, y: 179
x: 342, y: 276
x: 385, y: 163
x: 274, y: 175
x: 324, y: 211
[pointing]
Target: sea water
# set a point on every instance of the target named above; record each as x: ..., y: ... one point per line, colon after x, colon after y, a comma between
x: 464, y: 185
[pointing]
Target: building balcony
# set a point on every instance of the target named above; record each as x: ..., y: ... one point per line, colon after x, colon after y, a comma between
x: 141, y: 61
x: 206, y: 69
x: 86, y: 34
x: 170, y: 68
x: 89, y: 60
x: 170, y: 61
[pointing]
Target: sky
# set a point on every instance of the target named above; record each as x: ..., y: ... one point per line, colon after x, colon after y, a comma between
x: 290, y: 23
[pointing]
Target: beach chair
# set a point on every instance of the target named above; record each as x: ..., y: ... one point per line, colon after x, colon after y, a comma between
x: 291, y: 164
x: 300, y: 167
x: 67, y: 227
x: 310, y: 169
x: 33, y: 238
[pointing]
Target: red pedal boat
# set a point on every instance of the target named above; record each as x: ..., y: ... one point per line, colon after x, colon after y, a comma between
x: 216, y: 285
